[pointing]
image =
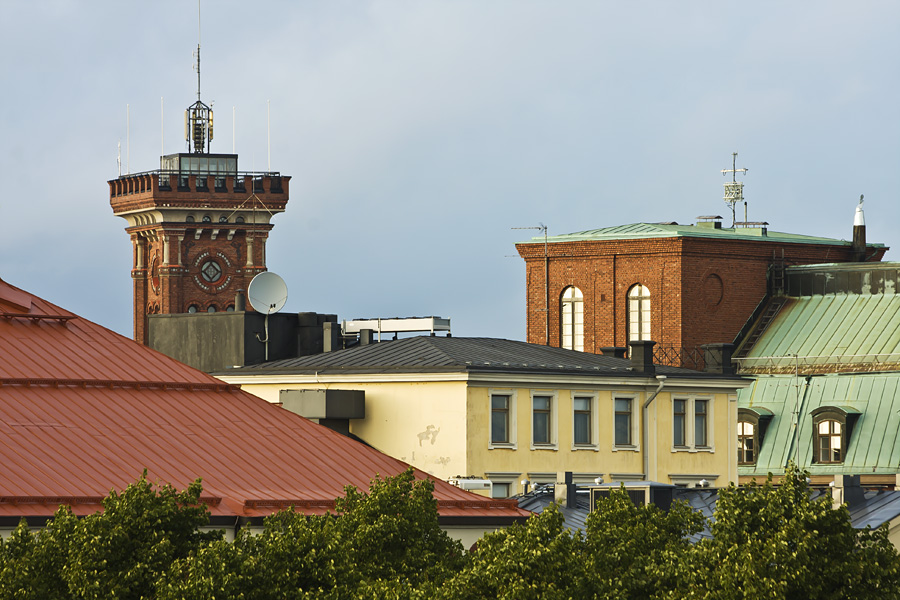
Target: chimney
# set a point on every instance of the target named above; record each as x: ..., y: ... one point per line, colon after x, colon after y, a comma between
x: 331, y: 336
x: 859, y: 233
x: 642, y: 356
x: 365, y: 337
x: 846, y: 489
x: 614, y: 351
x: 718, y: 358
x: 240, y: 302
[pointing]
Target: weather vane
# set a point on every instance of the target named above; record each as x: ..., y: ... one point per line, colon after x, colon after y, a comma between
x: 734, y: 189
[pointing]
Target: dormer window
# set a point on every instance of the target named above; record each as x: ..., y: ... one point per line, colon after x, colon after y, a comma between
x: 751, y: 429
x: 832, y: 427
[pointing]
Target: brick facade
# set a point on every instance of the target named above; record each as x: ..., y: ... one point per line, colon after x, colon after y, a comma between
x: 702, y: 290
x: 197, y: 240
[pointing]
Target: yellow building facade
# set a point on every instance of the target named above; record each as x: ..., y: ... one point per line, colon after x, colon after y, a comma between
x: 523, y: 420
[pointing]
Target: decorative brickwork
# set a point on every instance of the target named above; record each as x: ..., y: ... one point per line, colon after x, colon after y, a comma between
x: 196, y: 239
x: 702, y: 290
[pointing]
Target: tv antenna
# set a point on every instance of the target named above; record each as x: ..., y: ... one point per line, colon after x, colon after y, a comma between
x: 734, y: 189
x: 198, y: 118
x: 267, y: 294
x: 546, y: 309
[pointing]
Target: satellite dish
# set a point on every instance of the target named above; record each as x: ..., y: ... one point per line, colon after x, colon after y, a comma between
x: 267, y: 293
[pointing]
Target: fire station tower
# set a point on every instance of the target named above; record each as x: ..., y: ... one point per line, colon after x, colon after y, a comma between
x: 198, y: 225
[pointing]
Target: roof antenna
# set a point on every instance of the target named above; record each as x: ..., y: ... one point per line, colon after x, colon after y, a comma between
x: 734, y: 189
x: 198, y: 118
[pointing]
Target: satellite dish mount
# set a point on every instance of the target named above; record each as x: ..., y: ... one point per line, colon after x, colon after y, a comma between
x: 267, y: 294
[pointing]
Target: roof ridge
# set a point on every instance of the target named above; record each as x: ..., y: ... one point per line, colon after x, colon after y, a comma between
x: 116, y: 383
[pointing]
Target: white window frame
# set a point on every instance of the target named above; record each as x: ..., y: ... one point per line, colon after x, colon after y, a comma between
x: 634, y: 446
x: 509, y: 478
x: 639, y: 312
x: 511, y: 418
x: 554, y: 419
x: 594, y: 424
x: 689, y: 426
x: 571, y: 308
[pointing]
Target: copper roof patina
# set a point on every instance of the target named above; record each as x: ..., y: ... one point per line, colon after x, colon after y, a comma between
x: 667, y: 230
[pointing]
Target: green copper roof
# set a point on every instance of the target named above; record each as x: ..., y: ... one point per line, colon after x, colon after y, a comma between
x: 835, y: 332
x: 874, y: 444
x: 664, y: 230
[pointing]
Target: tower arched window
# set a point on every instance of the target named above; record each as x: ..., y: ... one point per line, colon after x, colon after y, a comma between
x: 572, y: 319
x: 638, y: 312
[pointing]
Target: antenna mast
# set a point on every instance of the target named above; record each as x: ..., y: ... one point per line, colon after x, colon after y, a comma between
x: 198, y: 118
x: 734, y: 189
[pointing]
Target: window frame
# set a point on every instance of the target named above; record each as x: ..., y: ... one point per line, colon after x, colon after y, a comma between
x: 847, y: 417
x: 573, y: 308
x: 552, y: 424
x: 690, y: 422
x: 633, y: 433
x: 510, y: 418
x: 593, y: 421
x: 638, y: 295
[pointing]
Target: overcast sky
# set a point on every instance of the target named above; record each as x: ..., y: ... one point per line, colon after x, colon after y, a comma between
x: 419, y: 133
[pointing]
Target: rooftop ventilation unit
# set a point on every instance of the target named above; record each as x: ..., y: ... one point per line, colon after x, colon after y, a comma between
x: 397, y: 325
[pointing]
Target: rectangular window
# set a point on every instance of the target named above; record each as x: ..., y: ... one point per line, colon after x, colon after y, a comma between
x: 679, y: 420
x: 500, y: 490
x: 583, y: 420
x: 700, y: 422
x: 500, y: 419
x: 623, y: 422
x: 541, y: 419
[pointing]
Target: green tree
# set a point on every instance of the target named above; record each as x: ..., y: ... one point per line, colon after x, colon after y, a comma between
x: 118, y: 553
x: 776, y: 542
x: 538, y: 560
x: 385, y: 543
x: 636, y: 552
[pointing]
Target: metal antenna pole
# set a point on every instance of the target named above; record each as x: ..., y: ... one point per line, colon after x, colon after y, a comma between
x: 734, y: 189
x: 542, y: 227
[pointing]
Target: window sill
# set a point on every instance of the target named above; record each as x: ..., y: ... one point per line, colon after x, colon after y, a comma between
x: 592, y: 447
x: 707, y: 449
x: 501, y: 446
x: 625, y: 448
x: 553, y: 447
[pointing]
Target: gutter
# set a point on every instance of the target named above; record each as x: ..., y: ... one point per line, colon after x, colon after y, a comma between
x: 645, y: 426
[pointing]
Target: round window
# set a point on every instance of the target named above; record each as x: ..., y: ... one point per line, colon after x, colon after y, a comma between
x: 211, y: 271
x: 211, y: 309
x: 193, y: 308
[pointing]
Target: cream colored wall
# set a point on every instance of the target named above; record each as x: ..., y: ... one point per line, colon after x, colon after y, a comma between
x: 421, y: 423
x: 665, y: 461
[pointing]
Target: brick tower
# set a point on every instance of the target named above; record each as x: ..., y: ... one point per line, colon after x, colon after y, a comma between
x: 198, y: 225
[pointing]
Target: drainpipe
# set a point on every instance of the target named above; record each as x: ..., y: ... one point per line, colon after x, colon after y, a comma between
x: 645, y: 426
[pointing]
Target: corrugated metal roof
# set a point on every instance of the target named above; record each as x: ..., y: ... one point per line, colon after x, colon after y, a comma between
x: 663, y: 230
x: 454, y: 354
x: 830, y: 333
x: 84, y: 410
x: 874, y: 445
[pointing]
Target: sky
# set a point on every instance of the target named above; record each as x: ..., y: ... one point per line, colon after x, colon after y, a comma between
x: 419, y: 134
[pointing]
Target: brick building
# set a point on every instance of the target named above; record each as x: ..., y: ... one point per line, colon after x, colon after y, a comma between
x: 198, y: 227
x: 680, y: 285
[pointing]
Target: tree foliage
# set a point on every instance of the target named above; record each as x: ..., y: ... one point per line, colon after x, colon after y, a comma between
x: 766, y: 541
x: 776, y: 542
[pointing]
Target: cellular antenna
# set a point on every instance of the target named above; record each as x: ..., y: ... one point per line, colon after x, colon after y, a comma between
x: 734, y: 189
x: 198, y: 118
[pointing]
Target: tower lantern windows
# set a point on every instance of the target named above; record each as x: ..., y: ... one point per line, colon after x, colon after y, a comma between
x: 207, y: 219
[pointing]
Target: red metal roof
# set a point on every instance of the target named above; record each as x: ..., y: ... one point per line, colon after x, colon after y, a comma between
x: 84, y: 410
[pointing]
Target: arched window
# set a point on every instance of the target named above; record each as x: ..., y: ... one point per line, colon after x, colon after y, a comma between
x: 832, y: 429
x: 746, y: 431
x: 572, y: 319
x: 638, y: 313
x: 751, y: 430
x: 829, y: 441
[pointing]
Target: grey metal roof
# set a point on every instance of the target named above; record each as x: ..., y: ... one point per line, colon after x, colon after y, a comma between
x: 874, y: 510
x: 454, y: 354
